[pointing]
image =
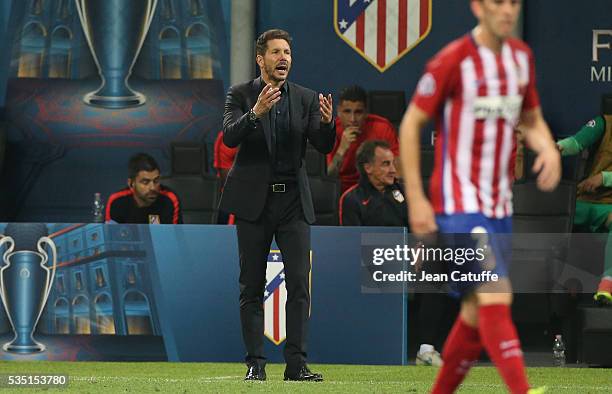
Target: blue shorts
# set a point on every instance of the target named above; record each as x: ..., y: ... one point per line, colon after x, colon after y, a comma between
x: 456, y: 231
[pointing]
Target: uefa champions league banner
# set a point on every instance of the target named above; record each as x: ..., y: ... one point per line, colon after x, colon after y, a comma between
x: 139, y: 292
x: 170, y: 292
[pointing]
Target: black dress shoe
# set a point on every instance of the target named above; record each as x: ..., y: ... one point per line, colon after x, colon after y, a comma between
x: 255, y: 372
x: 304, y: 375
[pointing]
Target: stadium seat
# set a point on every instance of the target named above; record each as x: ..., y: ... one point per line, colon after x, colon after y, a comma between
x: 198, y: 195
x: 390, y: 104
x: 188, y: 158
x: 596, y: 336
x: 537, y: 261
x: 325, y: 197
x: 573, y: 167
x: 197, y: 190
x: 316, y: 163
x: 541, y: 212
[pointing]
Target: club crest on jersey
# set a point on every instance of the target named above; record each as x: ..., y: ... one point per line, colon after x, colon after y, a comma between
x: 382, y: 31
x: 426, y: 86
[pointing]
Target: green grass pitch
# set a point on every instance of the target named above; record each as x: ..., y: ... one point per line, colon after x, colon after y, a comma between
x: 107, y: 377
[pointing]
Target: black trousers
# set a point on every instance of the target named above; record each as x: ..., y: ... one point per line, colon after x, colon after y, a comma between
x: 283, y: 219
x: 436, y: 315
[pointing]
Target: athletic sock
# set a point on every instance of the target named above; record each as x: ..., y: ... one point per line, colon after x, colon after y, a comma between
x: 461, y: 350
x: 499, y: 338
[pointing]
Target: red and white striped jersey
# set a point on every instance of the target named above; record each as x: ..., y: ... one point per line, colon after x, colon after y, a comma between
x: 476, y: 96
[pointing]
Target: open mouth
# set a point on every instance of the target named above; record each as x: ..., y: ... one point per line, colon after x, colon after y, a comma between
x: 282, y: 68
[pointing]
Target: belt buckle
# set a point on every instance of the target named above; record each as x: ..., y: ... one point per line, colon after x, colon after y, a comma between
x: 278, y: 188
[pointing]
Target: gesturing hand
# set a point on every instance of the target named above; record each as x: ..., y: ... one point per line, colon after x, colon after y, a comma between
x: 548, y: 167
x: 326, y: 107
x: 421, y: 216
x: 266, y: 100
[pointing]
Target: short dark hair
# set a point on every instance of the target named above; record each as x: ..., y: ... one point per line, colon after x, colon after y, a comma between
x: 353, y: 93
x: 141, y: 162
x: 366, y: 153
x: 274, y: 34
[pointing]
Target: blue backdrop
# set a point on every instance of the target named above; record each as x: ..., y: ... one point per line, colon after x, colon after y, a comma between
x: 560, y: 33
x: 324, y: 62
x: 195, y: 282
x: 176, y: 286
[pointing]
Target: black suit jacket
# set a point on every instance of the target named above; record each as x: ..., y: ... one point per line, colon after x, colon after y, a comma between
x: 246, y: 186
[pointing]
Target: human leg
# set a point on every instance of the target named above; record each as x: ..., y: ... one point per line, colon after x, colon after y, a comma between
x: 498, y: 334
x: 603, y: 295
x: 293, y: 238
x: 254, y: 240
x: 601, y: 218
x: 461, y: 349
x: 432, y: 309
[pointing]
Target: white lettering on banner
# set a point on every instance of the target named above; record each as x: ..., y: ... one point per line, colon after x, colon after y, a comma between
x: 507, y: 107
x: 597, y: 45
x: 602, y: 40
x: 425, y: 277
x: 601, y: 74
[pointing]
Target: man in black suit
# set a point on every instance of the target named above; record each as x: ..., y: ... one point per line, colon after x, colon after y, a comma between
x: 267, y: 190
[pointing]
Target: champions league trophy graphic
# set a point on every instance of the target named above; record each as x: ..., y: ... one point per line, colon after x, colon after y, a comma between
x: 115, y: 31
x: 25, y: 281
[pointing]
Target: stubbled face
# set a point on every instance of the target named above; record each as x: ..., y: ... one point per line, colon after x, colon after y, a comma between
x: 352, y: 113
x: 276, y: 62
x: 497, y: 17
x: 381, y: 172
x: 145, y: 187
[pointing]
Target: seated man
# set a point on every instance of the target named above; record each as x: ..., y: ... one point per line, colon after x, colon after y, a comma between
x: 223, y: 158
x: 354, y: 126
x: 594, y: 198
x: 377, y: 200
x: 145, y: 200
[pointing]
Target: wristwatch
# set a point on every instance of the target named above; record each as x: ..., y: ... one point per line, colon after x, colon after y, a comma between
x: 252, y: 116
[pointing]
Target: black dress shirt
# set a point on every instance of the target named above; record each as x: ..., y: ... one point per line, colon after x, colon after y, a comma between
x: 282, y: 144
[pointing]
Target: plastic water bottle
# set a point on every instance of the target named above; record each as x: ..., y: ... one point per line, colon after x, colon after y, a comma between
x: 98, y: 209
x: 558, y: 352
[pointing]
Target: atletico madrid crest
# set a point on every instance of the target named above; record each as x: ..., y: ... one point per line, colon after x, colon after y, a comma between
x: 382, y: 31
x: 275, y: 298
